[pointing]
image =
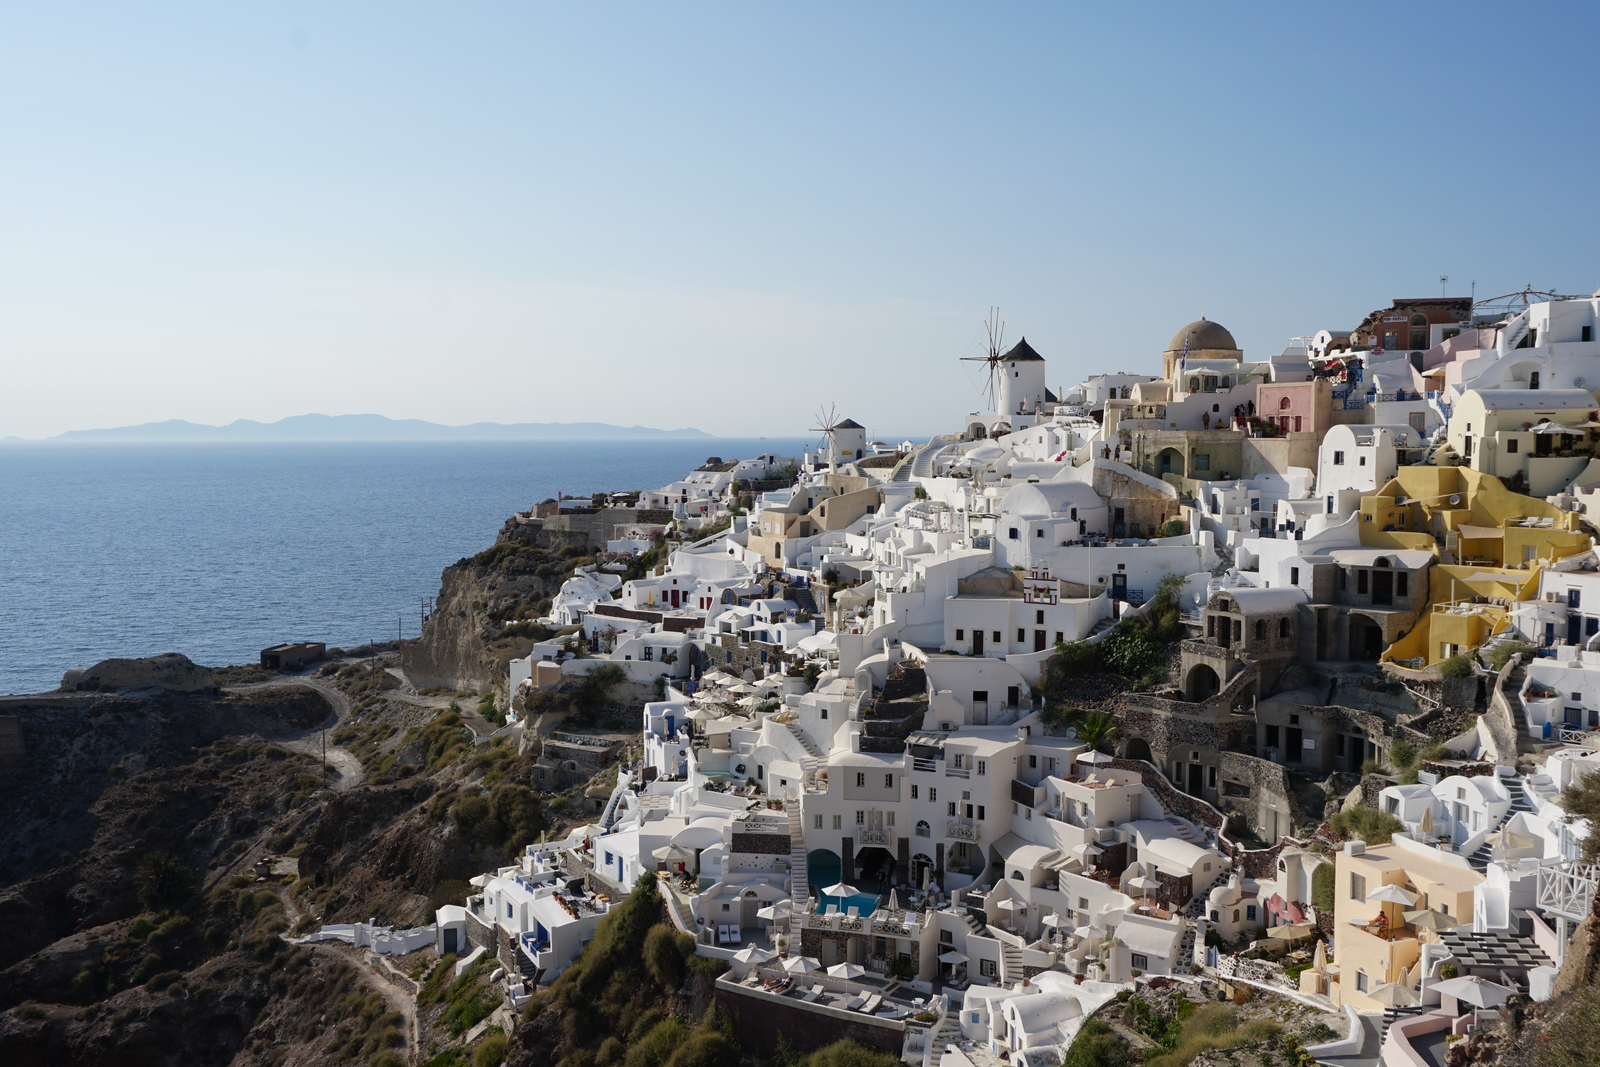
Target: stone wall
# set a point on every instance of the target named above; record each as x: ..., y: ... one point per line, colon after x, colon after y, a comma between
x: 761, y: 844
x: 759, y: 1017
x: 13, y: 749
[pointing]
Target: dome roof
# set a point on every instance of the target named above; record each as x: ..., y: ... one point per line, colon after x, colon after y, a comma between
x: 1202, y: 334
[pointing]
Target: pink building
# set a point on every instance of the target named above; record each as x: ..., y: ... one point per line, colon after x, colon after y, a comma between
x: 1297, y: 407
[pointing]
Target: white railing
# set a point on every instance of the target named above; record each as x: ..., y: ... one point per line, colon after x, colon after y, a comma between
x: 873, y: 837
x: 1567, y: 888
x: 961, y: 831
x: 956, y: 772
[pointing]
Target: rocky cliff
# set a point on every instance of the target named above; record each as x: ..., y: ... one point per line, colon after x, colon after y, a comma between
x: 464, y: 644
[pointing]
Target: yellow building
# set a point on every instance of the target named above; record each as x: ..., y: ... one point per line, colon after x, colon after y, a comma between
x: 1542, y: 436
x: 1369, y: 952
x: 1491, y: 544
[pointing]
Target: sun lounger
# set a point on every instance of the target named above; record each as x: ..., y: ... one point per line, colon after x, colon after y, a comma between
x: 854, y: 1003
x: 872, y: 1003
x: 816, y: 991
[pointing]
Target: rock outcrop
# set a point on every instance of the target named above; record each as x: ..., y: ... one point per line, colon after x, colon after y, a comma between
x: 171, y: 670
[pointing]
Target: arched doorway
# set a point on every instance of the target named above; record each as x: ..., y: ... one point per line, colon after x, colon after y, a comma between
x: 1366, y: 639
x: 1139, y: 748
x: 823, y: 867
x: 874, y: 869
x: 1169, y: 461
x: 1202, y: 683
x: 921, y: 869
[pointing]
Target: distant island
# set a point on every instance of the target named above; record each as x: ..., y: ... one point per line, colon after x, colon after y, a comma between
x: 371, y: 428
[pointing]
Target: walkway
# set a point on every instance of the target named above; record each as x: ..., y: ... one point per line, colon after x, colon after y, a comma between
x: 347, y: 769
x: 1370, y: 1043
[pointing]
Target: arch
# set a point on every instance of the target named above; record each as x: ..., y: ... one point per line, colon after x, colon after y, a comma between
x: 1381, y: 561
x: 1283, y: 403
x: 977, y: 432
x: 1283, y: 627
x: 921, y: 864
x: 1169, y: 461
x: 923, y: 829
x: 823, y: 868
x: 1139, y: 748
x: 874, y: 864
x: 1366, y: 639
x: 1261, y: 629
x: 1202, y: 683
x: 1245, y: 699
x: 1227, y: 381
x: 1419, y: 319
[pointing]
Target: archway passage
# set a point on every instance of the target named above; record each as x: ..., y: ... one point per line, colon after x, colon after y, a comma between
x: 921, y: 869
x: 1366, y: 639
x: 823, y: 867
x: 875, y: 869
x: 1202, y: 683
x: 1170, y: 461
x: 1139, y: 748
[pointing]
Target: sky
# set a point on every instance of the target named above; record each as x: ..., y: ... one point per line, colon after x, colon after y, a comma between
x: 730, y: 216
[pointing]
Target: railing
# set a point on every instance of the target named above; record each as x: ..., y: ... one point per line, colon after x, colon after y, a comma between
x: 961, y: 831
x: 1567, y: 889
x: 873, y: 837
x: 952, y: 771
x: 920, y: 764
x: 1397, y: 395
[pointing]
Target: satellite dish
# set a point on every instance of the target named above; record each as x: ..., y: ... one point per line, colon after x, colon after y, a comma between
x: 1455, y: 499
x: 1579, y: 382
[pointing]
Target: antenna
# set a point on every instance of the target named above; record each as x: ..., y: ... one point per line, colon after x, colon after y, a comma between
x: 996, y: 330
x: 1444, y: 280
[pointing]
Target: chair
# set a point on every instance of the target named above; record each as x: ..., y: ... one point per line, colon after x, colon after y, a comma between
x: 855, y: 1002
x: 816, y: 991
x: 854, y: 912
x: 872, y: 1003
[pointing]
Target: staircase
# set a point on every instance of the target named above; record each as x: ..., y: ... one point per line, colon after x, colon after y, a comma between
x: 1394, y: 1015
x: 975, y: 924
x: 1104, y: 624
x: 801, y: 595
x: 1187, y: 830
x: 799, y: 883
x: 805, y: 742
x: 1519, y: 796
x: 1010, y: 963
x: 1481, y: 859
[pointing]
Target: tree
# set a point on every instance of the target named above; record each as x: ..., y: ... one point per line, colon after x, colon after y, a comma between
x: 164, y: 883
x: 1582, y: 801
x: 1097, y: 730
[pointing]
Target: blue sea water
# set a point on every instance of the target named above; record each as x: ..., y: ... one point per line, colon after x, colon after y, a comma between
x: 218, y: 551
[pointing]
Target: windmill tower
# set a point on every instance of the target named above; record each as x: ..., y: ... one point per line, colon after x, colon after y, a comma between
x: 996, y: 329
x: 1015, y: 377
x: 847, y: 438
x: 826, y: 418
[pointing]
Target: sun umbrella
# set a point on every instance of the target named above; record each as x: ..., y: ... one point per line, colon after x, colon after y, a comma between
x: 742, y: 688
x: 894, y: 900
x: 1389, y: 893
x: 752, y: 954
x: 1011, y: 904
x: 673, y: 854
x: 1084, y: 931
x: 1479, y: 992
x: 780, y: 910
x: 847, y: 971
x: 1319, y: 956
x: 1395, y: 995
x: 952, y: 957
x: 1143, y: 884
x: 1428, y: 919
x: 802, y: 964
x: 1289, y: 932
x: 840, y: 889
x: 1426, y: 825
x: 1053, y: 919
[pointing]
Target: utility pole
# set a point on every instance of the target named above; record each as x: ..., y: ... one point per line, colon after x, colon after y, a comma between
x: 1444, y: 282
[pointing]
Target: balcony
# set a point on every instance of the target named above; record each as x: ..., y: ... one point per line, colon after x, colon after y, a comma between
x: 920, y: 764
x: 951, y: 771
x: 961, y: 831
x: 874, y: 837
x: 1032, y: 796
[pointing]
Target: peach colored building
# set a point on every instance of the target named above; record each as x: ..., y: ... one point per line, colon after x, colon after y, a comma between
x: 1297, y: 407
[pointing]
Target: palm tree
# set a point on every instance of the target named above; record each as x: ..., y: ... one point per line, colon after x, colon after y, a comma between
x: 1097, y: 730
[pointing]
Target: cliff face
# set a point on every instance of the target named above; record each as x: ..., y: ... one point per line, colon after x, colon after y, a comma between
x: 461, y: 646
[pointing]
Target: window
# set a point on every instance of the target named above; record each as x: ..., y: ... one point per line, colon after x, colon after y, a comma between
x: 955, y: 761
x: 1283, y: 404
x: 1022, y: 635
x: 980, y: 813
x: 1235, y: 914
x: 1511, y: 446
x: 861, y: 778
x: 986, y: 968
x: 1361, y: 981
x: 1261, y: 629
x: 1033, y: 761
x: 1250, y: 912
x: 933, y: 795
x: 1358, y: 887
x: 983, y: 766
x: 1211, y: 777
x: 961, y: 635
x: 888, y: 818
x: 725, y: 906
x: 1402, y: 584
x: 922, y: 828
x: 997, y: 640
x: 1362, y: 462
x: 861, y: 818
x: 1361, y: 582
x: 1038, y: 617
x: 1015, y: 536
x: 1141, y: 962
x: 1294, y: 579
x: 817, y: 823
x: 1338, y: 459
x: 950, y: 809
x: 888, y: 781
x: 1038, y: 533
x: 1202, y: 461
x: 913, y: 791
x: 1283, y: 628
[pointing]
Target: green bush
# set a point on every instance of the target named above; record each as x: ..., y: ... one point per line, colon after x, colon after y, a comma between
x: 655, y: 1047
x: 1457, y: 666
x: 1501, y: 654
x: 665, y: 953
x: 1402, y: 753
x: 1371, y: 825
x: 490, y: 1051
x: 1173, y: 528
x: 164, y: 883
x: 1097, y: 1045
x: 1322, y: 887
x: 1132, y: 655
x: 849, y: 1053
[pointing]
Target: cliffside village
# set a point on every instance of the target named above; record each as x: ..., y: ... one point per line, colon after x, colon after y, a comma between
x: 854, y: 790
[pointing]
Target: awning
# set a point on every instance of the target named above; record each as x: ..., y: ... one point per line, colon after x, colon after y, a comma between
x: 1480, y: 532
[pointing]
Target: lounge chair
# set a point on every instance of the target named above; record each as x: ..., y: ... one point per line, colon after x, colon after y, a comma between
x: 816, y: 991
x: 871, y: 1003
x: 855, y: 1002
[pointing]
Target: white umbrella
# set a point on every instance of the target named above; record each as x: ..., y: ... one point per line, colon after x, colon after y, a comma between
x: 752, y: 954
x: 1084, y: 931
x: 847, y: 971
x: 1390, y: 893
x: 742, y: 687
x: 839, y: 889
x: 952, y: 957
x: 1053, y: 919
x: 779, y: 910
x: 1289, y: 932
x: 1395, y: 995
x: 1479, y: 992
x: 801, y: 964
x: 1011, y: 904
x: 1428, y: 919
x: 1145, y: 884
x: 673, y: 854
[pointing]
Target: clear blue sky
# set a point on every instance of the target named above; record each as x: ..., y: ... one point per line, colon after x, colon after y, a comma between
x: 723, y: 216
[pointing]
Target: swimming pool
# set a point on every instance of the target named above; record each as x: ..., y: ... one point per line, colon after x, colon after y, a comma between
x: 865, y: 903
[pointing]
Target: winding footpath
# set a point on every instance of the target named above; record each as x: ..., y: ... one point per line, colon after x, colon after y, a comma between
x: 341, y: 760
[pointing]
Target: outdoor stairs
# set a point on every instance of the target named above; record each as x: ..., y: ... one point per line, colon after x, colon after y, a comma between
x: 1104, y: 624
x: 803, y: 599
x: 1481, y: 859
x: 976, y: 925
x: 1394, y: 1015
x: 1519, y: 796
x: 805, y: 742
x: 1513, y: 697
x: 1187, y: 830
x: 609, y: 817
x: 1010, y: 963
x: 799, y: 881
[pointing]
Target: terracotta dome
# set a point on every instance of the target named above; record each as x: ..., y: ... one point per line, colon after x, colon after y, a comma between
x: 1202, y: 334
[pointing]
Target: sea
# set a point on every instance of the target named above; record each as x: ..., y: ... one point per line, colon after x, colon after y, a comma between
x: 220, y: 550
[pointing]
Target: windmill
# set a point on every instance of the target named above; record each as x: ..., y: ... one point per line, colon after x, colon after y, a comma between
x: 996, y: 330
x: 828, y: 418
